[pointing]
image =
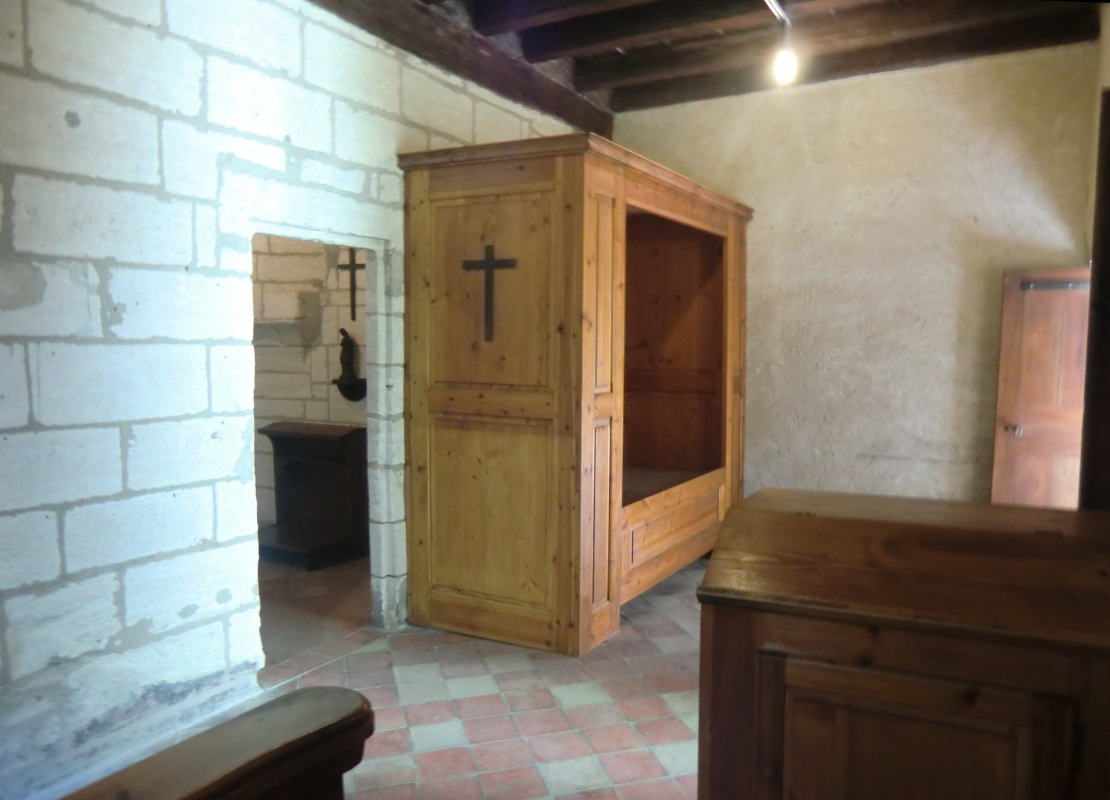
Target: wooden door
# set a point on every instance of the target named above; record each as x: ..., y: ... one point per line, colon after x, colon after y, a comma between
x: 852, y: 734
x: 1039, y: 422
x: 602, y: 402
x: 487, y: 353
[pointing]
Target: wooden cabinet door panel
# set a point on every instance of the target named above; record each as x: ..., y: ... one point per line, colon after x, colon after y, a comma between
x: 853, y: 734
x: 485, y: 360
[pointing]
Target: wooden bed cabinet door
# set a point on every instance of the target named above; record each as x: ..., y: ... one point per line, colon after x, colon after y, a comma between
x: 602, y: 401
x: 486, y: 538
x: 856, y: 734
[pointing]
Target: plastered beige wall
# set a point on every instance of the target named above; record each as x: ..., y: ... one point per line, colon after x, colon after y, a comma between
x: 886, y: 209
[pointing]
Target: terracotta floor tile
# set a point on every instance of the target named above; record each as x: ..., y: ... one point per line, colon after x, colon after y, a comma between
x: 561, y: 675
x: 465, y: 788
x: 593, y: 716
x: 677, y: 681
x: 596, y: 794
x: 521, y: 783
x: 485, y: 706
x: 387, y: 743
x: 490, y: 729
x: 638, y: 647
x: 389, y: 718
x: 664, y: 730
x: 518, y: 681
x: 628, y: 688
x: 559, y: 746
x: 417, y: 655
x: 368, y: 679
x: 381, y: 772
x: 644, y: 708
x: 509, y: 723
x: 611, y: 738
x: 430, y: 713
x: 658, y: 630
x: 530, y: 700
x: 411, y: 641
x: 464, y: 669
x: 380, y: 696
x: 656, y: 664
x: 612, y: 668
x: 537, y: 723
x: 631, y: 765
x: 448, y: 763
x: 651, y: 790
x: 403, y: 792
x: 502, y: 755
x: 360, y: 662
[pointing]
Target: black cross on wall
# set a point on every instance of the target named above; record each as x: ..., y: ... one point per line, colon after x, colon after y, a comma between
x: 489, y: 264
x: 353, y: 268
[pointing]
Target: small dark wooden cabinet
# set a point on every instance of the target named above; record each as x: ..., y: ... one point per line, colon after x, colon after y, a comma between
x: 864, y: 648
x: 320, y: 486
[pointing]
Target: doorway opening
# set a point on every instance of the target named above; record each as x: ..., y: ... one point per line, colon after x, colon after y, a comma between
x: 310, y: 445
x: 674, y: 346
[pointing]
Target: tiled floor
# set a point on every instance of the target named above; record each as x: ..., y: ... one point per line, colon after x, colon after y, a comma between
x: 466, y: 719
x: 302, y: 611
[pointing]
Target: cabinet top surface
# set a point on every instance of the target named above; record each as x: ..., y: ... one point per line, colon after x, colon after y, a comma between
x: 570, y: 144
x: 309, y: 430
x: 1034, y: 575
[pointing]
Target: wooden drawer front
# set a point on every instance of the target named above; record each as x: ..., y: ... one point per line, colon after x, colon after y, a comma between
x: 861, y: 734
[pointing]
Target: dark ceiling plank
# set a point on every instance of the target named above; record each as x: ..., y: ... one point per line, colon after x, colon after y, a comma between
x: 415, y: 28
x: 504, y: 16
x: 1067, y: 27
x: 863, y: 28
x: 668, y: 21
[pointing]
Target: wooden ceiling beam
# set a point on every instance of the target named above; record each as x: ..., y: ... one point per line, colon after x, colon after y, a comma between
x: 505, y: 16
x: 669, y: 21
x: 1070, y: 26
x: 414, y: 27
x: 863, y: 28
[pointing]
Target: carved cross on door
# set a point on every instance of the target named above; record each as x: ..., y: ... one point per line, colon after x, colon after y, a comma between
x: 353, y: 268
x: 489, y: 264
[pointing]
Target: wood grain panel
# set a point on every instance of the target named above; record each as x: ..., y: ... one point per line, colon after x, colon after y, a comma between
x: 603, y: 452
x: 501, y: 177
x: 518, y: 228
x: 856, y: 728
x: 657, y: 534
x: 1042, y: 368
x: 491, y: 401
x: 477, y: 524
x: 602, y: 399
x: 674, y: 346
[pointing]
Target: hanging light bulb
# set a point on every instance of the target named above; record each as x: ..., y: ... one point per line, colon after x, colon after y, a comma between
x: 785, y: 67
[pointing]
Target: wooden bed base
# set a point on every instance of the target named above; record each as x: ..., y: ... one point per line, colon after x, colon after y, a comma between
x: 661, y: 534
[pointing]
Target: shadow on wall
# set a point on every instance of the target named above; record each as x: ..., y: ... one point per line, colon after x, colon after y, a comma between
x: 886, y: 208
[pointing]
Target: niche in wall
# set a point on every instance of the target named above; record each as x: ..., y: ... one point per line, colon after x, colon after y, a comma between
x: 674, y: 342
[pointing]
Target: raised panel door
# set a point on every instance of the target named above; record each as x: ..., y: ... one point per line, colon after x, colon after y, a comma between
x: 485, y: 303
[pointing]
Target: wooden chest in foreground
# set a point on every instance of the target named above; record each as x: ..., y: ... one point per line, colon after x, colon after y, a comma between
x: 864, y: 647
x: 574, y: 392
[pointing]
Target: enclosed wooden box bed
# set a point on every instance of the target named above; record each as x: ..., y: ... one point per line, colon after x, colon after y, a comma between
x: 574, y: 395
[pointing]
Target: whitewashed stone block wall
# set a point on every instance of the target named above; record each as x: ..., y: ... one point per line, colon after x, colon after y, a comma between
x: 142, y: 144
